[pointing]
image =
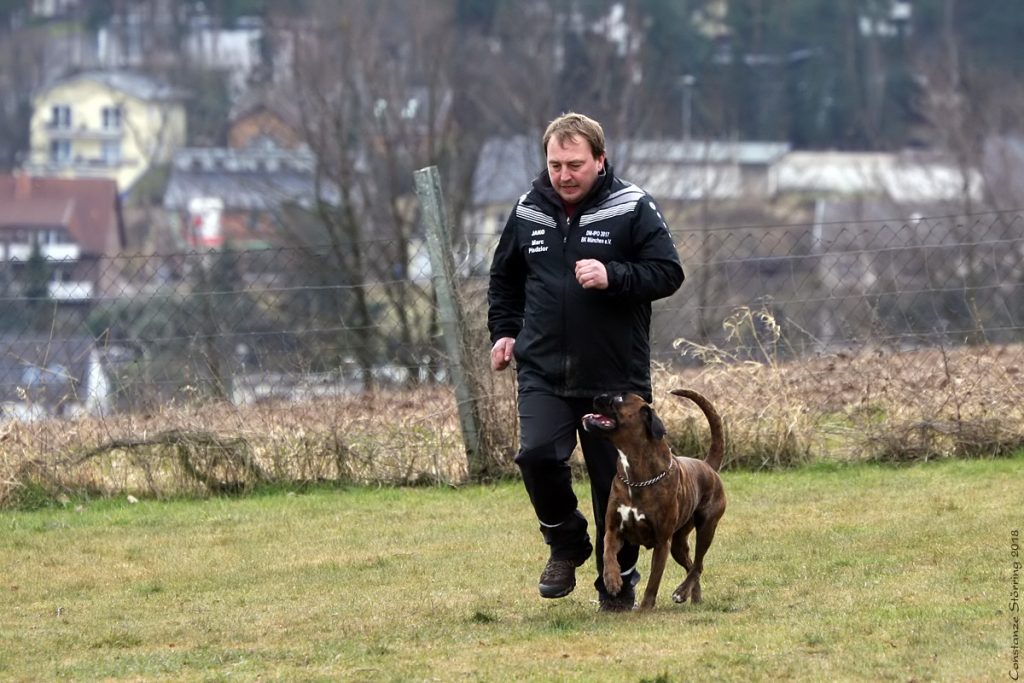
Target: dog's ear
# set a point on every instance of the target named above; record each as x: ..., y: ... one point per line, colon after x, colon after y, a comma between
x: 655, y: 427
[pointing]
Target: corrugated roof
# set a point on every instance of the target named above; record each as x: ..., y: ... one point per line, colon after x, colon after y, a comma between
x: 507, y: 166
x: 245, y: 179
x: 752, y: 153
x: 903, y: 177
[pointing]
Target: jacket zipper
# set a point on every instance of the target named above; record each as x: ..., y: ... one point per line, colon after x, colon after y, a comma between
x: 565, y: 299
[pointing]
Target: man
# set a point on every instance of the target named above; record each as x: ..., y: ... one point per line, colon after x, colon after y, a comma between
x: 582, y: 256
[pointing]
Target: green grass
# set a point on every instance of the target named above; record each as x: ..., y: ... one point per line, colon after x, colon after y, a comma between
x: 828, y: 572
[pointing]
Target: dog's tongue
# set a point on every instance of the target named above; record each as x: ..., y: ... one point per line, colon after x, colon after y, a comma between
x: 599, y: 419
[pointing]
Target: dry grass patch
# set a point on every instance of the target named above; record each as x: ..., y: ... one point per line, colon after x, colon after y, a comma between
x: 401, y: 438
x: 875, y: 404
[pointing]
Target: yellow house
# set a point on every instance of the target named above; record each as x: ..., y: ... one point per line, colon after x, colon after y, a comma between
x: 105, y: 124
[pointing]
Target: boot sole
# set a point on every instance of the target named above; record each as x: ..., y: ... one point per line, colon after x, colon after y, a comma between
x: 555, y: 591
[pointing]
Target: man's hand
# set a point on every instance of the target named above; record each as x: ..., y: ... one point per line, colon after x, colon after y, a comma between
x: 591, y: 274
x: 501, y: 353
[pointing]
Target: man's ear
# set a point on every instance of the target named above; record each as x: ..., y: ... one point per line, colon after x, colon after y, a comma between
x: 655, y: 427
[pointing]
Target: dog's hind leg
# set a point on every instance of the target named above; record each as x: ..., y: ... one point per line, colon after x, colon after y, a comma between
x: 658, y: 559
x: 681, y: 554
x: 681, y: 548
x: 690, y: 587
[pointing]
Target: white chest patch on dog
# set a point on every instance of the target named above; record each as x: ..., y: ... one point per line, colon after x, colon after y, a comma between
x: 625, y: 472
x: 624, y: 514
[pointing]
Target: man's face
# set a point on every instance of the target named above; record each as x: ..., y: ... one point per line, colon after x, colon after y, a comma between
x: 572, y: 168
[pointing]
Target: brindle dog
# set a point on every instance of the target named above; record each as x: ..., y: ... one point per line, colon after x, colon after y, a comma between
x: 658, y: 498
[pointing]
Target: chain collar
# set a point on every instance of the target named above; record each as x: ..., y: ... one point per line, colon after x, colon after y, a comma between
x: 654, y: 480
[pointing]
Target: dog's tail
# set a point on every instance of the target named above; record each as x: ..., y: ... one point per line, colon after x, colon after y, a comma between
x: 717, y: 450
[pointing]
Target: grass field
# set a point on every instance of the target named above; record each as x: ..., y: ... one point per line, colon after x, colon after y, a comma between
x: 828, y: 572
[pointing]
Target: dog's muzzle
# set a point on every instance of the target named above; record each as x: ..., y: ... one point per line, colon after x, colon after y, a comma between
x: 604, y: 418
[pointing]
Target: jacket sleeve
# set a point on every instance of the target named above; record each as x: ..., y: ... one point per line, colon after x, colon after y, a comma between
x: 656, y: 271
x: 506, y: 293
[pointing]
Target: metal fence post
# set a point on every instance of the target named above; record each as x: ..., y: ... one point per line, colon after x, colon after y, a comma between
x: 442, y: 264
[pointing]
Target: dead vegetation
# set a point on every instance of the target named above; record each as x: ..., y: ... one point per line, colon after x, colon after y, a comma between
x: 876, y: 404
x: 388, y: 438
x: 873, y: 405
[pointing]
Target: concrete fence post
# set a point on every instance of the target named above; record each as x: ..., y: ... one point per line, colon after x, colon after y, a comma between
x: 453, y: 325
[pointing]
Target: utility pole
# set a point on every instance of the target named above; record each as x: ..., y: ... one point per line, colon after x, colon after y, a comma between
x: 687, y: 81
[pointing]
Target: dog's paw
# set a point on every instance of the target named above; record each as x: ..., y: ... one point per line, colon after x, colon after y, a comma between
x: 612, y: 583
x: 687, y: 590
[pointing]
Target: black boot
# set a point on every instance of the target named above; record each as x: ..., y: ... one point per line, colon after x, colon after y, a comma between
x: 625, y: 601
x: 570, y: 548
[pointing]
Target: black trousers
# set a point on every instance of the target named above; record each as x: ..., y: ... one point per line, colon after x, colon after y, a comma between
x: 549, y: 427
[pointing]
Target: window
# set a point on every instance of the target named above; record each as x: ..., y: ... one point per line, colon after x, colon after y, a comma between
x: 60, y: 151
x: 53, y: 236
x: 112, y: 118
x: 60, y: 116
x: 112, y: 152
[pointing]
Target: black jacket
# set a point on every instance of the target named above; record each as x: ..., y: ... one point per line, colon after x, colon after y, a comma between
x: 571, y: 341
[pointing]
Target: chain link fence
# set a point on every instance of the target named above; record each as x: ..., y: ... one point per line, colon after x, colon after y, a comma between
x: 340, y: 345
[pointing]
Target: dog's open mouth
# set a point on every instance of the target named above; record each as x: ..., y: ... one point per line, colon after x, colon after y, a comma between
x: 598, y: 421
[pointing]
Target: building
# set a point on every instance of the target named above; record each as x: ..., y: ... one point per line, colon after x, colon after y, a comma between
x: 105, y: 124
x: 910, y: 178
x: 241, y: 197
x: 675, y: 172
x: 76, y: 225
x: 256, y: 122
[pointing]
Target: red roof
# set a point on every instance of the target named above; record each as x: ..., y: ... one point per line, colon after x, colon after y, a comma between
x: 88, y: 208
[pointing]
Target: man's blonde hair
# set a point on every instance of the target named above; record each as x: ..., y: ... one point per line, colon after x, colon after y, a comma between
x: 573, y: 125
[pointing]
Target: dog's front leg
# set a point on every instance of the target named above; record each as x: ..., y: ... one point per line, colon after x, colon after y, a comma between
x: 612, y: 574
x: 658, y: 559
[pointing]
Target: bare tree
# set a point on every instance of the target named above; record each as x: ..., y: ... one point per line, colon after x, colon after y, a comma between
x: 372, y: 85
x: 539, y: 58
x: 22, y: 72
x: 971, y: 117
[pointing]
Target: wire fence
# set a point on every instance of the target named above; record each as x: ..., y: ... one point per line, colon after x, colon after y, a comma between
x: 290, y: 329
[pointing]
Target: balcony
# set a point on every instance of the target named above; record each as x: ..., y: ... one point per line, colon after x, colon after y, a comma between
x: 80, y: 166
x: 51, y: 252
x: 83, y: 132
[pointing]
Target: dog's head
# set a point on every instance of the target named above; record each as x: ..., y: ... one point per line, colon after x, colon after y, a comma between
x: 624, y: 416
